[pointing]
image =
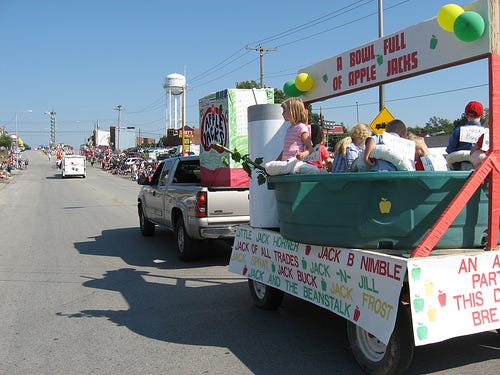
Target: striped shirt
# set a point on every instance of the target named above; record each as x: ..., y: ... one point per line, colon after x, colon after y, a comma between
x: 293, y: 140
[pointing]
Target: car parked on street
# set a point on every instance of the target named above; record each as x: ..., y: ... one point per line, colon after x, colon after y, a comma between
x: 130, y: 161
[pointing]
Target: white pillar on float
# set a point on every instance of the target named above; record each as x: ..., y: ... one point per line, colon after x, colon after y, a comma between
x: 266, y: 132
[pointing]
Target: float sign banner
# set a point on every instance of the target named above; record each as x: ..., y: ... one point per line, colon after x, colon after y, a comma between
x: 360, y: 286
x: 418, y: 49
x: 454, y: 295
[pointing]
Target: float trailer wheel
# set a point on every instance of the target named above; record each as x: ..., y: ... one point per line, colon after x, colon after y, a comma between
x: 374, y: 357
x: 264, y: 296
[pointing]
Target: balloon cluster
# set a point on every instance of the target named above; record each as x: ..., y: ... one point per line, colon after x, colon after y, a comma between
x: 467, y: 25
x: 301, y: 84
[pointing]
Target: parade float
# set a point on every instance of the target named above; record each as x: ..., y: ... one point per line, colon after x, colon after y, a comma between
x: 407, y: 258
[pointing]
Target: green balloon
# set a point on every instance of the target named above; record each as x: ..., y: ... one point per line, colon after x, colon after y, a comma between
x: 469, y: 26
x: 290, y: 89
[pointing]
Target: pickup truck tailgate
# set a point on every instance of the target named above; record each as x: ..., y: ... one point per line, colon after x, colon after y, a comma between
x: 228, y: 201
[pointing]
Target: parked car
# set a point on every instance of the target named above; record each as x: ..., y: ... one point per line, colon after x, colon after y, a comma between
x: 130, y: 161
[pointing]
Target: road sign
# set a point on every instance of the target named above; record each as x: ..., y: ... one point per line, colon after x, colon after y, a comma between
x: 380, y: 121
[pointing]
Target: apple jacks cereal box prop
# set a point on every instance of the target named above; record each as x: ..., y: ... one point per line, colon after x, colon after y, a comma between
x: 223, y: 121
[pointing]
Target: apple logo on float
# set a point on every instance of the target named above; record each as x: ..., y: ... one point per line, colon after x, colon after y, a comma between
x: 384, y: 206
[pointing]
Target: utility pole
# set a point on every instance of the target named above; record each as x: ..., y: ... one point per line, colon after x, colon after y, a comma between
x: 118, y: 108
x: 261, y: 54
x: 381, y: 92
x: 52, y: 137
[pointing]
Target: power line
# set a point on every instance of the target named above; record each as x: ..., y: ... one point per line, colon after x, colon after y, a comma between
x: 316, y: 21
x: 232, y: 71
x: 216, y: 66
x: 409, y: 97
x: 338, y: 26
x: 231, y: 59
x: 150, y: 107
x: 201, y: 79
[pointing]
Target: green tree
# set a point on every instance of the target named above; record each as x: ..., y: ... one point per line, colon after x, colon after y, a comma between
x: 164, y: 140
x: 247, y: 85
x: 5, y: 140
x: 448, y: 127
x: 279, y: 95
x: 486, y: 117
x: 460, y: 121
x: 437, y: 125
x: 312, y: 118
x: 417, y: 130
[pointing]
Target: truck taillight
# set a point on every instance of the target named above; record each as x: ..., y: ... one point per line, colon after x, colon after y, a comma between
x: 201, y: 204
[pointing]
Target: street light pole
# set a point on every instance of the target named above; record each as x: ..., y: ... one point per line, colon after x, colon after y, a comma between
x: 119, y: 108
x: 17, y: 146
x: 52, y: 138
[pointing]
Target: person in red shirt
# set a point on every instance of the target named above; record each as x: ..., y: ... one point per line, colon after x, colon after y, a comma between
x: 324, y: 159
x: 421, y: 149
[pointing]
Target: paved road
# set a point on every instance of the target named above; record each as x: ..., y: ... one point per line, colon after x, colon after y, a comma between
x: 82, y: 292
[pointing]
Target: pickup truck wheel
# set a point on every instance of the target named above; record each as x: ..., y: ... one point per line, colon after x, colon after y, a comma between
x: 147, y: 227
x: 264, y: 296
x: 187, y: 247
x: 376, y: 358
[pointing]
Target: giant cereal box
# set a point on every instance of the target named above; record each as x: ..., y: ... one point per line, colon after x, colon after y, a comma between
x: 223, y: 120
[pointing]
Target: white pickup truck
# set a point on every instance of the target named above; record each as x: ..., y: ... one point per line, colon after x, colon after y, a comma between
x: 175, y: 199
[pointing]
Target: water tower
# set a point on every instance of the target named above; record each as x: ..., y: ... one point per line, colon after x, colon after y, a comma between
x: 175, y: 86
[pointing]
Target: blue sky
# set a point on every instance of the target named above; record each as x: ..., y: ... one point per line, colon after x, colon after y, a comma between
x: 83, y: 58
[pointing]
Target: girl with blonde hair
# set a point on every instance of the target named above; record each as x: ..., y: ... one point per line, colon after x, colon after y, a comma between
x: 349, y: 148
x: 298, y: 138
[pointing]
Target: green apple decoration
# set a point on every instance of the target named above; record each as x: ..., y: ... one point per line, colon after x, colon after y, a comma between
x: 323, y: 285
x: 418, y: 304
x: 433, y: 42
x: 415, y: 273
x: 422, y: 331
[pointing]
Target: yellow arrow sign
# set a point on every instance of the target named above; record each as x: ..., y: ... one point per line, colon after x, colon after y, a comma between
x: 379, y: 122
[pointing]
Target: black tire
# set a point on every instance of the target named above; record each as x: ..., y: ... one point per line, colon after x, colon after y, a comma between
x: 187, y: 247
x: 147, y: 227
x: 264, y: 296
x: 376, y: 358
